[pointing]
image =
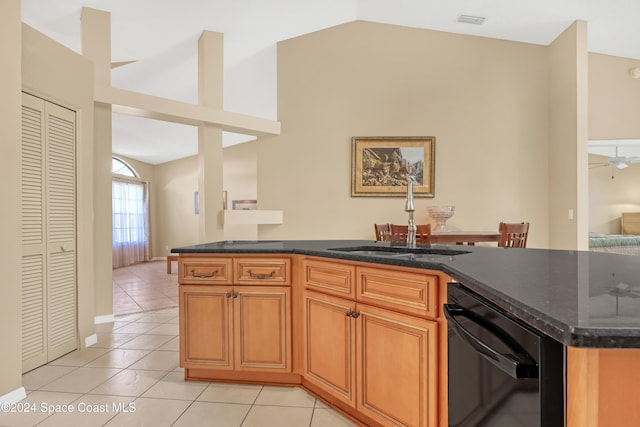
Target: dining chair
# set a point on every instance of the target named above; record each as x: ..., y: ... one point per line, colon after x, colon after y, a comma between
x: 382, y: 231
x: 399, y: 233
x: 513, y: 235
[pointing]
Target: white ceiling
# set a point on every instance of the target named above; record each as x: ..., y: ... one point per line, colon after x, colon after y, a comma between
x: 161, y: 35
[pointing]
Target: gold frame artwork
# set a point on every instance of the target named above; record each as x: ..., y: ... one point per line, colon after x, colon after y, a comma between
x: 380, y: 165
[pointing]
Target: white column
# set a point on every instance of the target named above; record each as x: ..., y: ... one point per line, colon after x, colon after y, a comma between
x: 210, y: 90
x: 96, y: 45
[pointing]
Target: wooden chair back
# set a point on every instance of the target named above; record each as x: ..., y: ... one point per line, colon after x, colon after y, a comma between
x: 380, y: 229
x: 399, y: 233
x: 513, y: 235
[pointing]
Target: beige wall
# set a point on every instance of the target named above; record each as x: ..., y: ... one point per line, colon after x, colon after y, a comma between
x: 485, y: 101
x: 176, y: 183
x: 103, y: 212
x: 568, y: 174
x: 614, y: 98
x: 240, y: 171
x: 240, y: 177
x: 10, y: 128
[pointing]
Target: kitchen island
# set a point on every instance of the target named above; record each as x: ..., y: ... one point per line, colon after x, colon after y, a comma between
x: 586, y: 301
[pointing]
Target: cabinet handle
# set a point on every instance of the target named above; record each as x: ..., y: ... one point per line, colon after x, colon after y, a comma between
x: 261, y: 276
x: 228, y: 295
x: 353, y: 314
x: 234, y: 295
x: 203, y: 276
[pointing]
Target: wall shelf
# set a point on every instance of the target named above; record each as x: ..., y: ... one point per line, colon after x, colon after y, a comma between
x: 252, y: 217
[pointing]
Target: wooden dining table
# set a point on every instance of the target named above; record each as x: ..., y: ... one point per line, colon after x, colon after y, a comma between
x: 462, y: 237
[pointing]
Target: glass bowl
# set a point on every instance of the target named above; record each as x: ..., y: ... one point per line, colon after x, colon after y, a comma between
x: 441, y: 214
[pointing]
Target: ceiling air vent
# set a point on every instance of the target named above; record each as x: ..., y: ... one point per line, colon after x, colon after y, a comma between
x: 470, y: 19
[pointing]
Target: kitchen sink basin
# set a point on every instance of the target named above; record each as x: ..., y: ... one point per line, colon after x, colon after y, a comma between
x: 401, y: 251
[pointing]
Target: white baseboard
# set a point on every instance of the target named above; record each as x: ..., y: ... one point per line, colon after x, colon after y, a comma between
x: 15, y: 396
x: 90, y: 340
x: 107, y: 318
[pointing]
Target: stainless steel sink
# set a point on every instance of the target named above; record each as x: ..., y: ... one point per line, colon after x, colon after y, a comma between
x: 401, y: 251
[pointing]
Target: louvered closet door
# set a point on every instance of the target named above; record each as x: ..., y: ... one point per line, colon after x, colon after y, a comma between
x: 60, y: 192
x: 34, y: 347
x: 48, y: 232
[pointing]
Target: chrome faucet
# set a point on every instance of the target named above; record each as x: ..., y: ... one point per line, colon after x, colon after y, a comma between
x: 409, y: 207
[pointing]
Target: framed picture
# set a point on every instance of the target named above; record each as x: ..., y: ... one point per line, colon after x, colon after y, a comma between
x: 244, y: 205
x: 380, y: 165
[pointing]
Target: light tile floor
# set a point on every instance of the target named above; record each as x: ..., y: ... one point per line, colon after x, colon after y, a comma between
x: 144, y: 287
x: 131, y: 377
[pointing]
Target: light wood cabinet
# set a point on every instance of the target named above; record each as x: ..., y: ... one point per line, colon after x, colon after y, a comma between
x: 382, y: 362
x: 367, y: 339
x: 262, y: 328
x: 396, y: 367
x: 233, y: 328
x: 330, y: 345
x: 206, y: 327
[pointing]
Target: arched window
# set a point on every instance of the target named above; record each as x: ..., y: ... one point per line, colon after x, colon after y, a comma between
x: 130, y: 216
x: 121, y: 168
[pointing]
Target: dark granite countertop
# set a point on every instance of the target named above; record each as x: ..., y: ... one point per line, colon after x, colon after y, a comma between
x: 580, y: 298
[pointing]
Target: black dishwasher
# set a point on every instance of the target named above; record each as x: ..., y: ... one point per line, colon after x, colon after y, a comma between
x: 501, y: 371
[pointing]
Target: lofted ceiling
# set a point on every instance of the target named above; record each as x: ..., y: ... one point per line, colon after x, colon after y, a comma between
x: 160, y: 36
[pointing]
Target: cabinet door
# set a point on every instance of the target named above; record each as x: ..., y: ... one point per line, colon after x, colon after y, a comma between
x: 205, y: 327
x: 397, y: 367
x: 262, y: 324
x: 329, y: 340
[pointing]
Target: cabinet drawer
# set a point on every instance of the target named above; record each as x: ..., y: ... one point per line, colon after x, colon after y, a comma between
x: 409, y: 292
x: 206, y: 271
x: 330, y: 277
x: 262, y: 271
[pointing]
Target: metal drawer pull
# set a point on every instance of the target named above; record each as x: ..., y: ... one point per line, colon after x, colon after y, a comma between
x: 203, y: 276
x: 261, y: 276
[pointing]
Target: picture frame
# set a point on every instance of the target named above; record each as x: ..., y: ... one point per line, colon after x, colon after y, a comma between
x: 244, y: 205
x: 380, y: 166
